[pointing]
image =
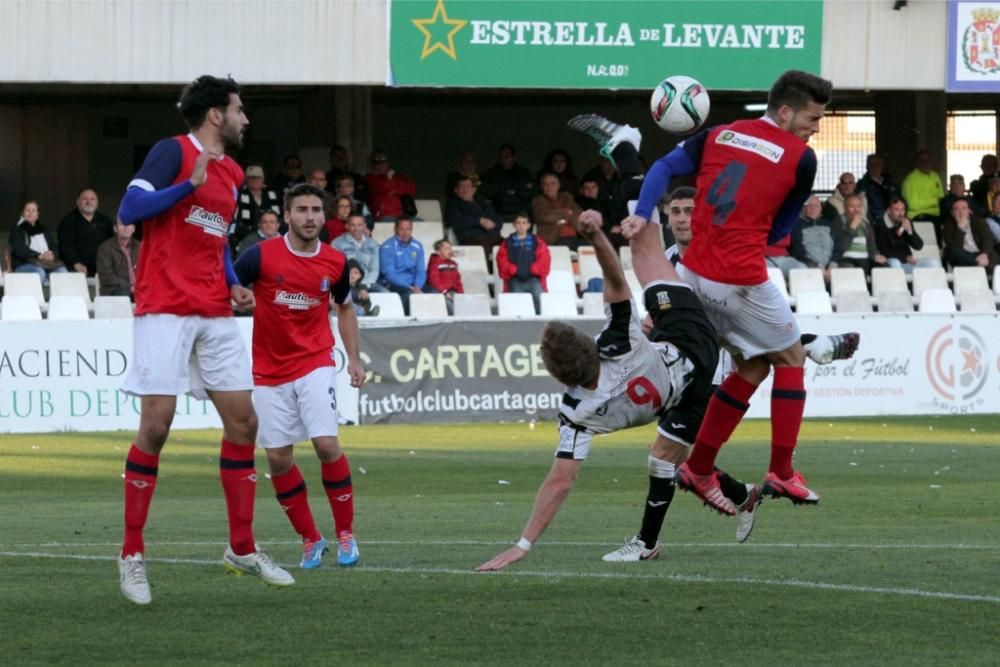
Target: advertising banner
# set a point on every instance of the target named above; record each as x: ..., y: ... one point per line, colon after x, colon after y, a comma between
x: 973, y: 46
x: 67, y: 377
x: 725, y: 44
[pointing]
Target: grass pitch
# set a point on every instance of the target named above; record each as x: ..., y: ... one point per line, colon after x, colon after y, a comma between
x: 898, y: 563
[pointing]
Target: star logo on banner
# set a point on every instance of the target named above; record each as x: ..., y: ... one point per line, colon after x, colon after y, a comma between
x: 439, y: 32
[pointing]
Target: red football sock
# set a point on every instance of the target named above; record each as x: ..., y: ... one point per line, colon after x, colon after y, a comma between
x: 723, y: 415
x: 340, y: 493
x: 140, y: 482
x: 290, y: 489
x: 788, y: 401
x: 239, y: 483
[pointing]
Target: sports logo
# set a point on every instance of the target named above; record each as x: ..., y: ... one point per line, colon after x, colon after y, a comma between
x: 324, y: 284
x: 744, y: 142
x: 295, y: 300
x: 211, y: 223
x: 663, y: 300
x: 956, y: 362
x: 981, y: 42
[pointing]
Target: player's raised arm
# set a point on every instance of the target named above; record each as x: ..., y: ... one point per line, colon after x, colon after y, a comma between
x: 589, y: 226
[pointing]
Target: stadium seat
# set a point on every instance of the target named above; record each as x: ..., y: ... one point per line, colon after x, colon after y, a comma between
x: 996, y: 280
x: 506, y: 229
x: 69, y: 284
x: 931, y: 249
x: 637, y: 293
x: 19, y: 308
x: 113, y: 308
x: 68, y: 308
x: 475, y: 282
x: 775, y: 275
x: 928, y: 278
x: 805, y: 280
x: 813, y: 303
x: 472, y: 305
x: 937, y: 300
x: 428, y: 307
x: 515, y: 304
x: 428, y: 233
x: 383, y: 231
x: 557, y: 304
x: 969, y: 278
x: 471, y: 258
x: 593, y: 304
x: 847, y: 280
x: 429, y: 209
x: 561, y: 258
x: 24, y: 284
x: 389, y: 304
x: 561, y: 282
x: 589, y: 266
x: 894, y: 302
x: 888, y: 279
x: 854, y: 302
x: 625, y: 253
x: 977, y: 301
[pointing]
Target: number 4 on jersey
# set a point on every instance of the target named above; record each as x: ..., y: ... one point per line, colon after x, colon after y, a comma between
x: 722, y: 192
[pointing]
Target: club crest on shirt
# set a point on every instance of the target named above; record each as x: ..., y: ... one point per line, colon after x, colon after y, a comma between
x: 324, y: 284
x: 663, y: 301
x: 295, y: 300
x: 209, y: 221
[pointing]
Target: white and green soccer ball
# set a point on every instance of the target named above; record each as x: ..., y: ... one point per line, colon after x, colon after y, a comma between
x: 679, y: 104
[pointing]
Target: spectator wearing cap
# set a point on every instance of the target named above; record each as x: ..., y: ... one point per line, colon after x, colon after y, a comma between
x: 253, y: 199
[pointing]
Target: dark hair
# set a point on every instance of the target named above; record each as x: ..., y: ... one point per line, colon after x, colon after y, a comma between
x: 338, y: 147
x: 302, y: 190
x: 510, y: 147
x: 336, y: 202
x: 268, y: 212
x: 204, y: 93
x: 438, y: 244
x: 853, y: 195
x: 291, y: 156
x: 402, y: 218
x: 569, y: 355
x: 547, y: 163
x: 797, y: 89
x: 344, y: 177
x: 683, y: 192
x: 82, y: 190
x: 522, y: 214
x: 893, y: 201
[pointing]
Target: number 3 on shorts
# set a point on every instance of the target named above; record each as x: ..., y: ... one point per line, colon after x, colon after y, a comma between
x: 722, y: 192
x: 333, y: 398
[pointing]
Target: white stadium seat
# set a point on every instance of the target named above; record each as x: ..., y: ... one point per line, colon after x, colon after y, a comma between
x: 472, y: 305
x: 20, y: 308
x: 475, y: 282
x: 854, y: 302
x: 562, y: 282
x: 470, y: 258
x: 813, y: 303
x: 24, y: 284
x: 593, y: 304
x: 996, y: 280
x: 931, y: 249
x: 805, y: 280
x: 113, y: 308
x: 928, y: 278
x: 429, y: 209
x: 589, y: 266
x: 895, y: 302
x: 625, y: 253
x: 969, y: 278
x: 977, y: 301
x: 775, y: 275
x: 561, y: 258
x: 68, y: 308
x: 937, y: 300
x: 428, y: 233
x: 888, y: 279
x: 515, y: 304
x: 635, y: 287
x: 428, y: 306
x: 389, y: 304
x: 383, y: 231
x: 557, y: 304
x: 847, y: 280
x: 69, y: 284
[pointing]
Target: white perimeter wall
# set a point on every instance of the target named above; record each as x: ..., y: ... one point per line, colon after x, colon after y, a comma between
x: 866, y: 44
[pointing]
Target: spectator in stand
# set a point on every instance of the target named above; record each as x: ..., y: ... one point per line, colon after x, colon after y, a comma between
x: 340, y: 165
x: 896, y: 239
x: 967, y: 239
x: 558, y: 162
x: 555, y: 213
x: 291, y: 174
x: 401, y: 259
x: 877, y: 186
x: 336, y: 226
x: 267, y: 228
x: 81, y: 231
x: 253, y: 199
x: 589, y: 199
x: 922, y: 190
x: 466, y: 169
x: 317, y: 179
x: 992, y: 192
x: 779, y: 254
x: 605, y: 174
x: 956, y: 190
x: 346, y: 188
x: 443, y: 274
x: 979, y: 187
x: 834, y: 205
x: 356, y: 244
x: 360, y: 291
x: 474, y: 223
x: 993, y: 222
x: 33, y: 247
x: 508, y: 185
x: 524, y: 262
x: 813, y: 241
x: 856, y: 238
x: 385, y: 189
x: 117, y: 259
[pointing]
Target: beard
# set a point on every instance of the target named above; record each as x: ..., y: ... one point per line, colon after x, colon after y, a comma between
x: 231, y: 135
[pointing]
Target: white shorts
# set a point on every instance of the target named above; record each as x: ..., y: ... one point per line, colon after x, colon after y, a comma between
x: 752, y: 320
x: 173, y: 355
x: 298, y: 410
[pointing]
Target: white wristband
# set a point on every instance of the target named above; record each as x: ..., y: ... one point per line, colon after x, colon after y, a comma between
x: 523, y: 543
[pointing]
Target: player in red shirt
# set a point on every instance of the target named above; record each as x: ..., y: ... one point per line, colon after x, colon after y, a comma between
x: 294, y: 277
x: 184, y: 337
x: 753, y: 178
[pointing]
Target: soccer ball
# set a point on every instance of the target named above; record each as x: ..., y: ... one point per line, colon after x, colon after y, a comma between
x: 679, y: 104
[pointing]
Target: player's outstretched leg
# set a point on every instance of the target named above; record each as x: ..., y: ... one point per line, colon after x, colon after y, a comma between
x: 293, y: 497
x: 746, y: 498
x: 645, y: 545
x: 606, y: 133
x: 827, y: 349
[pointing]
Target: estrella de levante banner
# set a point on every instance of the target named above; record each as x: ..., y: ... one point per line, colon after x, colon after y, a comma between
x: 725, y: 44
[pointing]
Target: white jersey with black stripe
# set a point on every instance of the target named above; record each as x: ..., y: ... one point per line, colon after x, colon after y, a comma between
x: 638, y: 380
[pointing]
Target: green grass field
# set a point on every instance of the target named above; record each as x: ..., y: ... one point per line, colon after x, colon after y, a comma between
x: 900, y: 562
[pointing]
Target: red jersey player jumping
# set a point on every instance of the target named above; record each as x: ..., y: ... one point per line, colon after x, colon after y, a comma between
x: 753, y: 178
x: 294, y: 277
x: 184, y: 337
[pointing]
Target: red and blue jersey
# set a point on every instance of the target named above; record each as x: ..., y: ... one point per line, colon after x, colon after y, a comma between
x: 181, y: 268
x: 291, y: 322
x: 753, y: 179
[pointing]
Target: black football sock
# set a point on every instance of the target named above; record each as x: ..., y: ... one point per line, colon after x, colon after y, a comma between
x: 733, y: 489
x: 661, y: 492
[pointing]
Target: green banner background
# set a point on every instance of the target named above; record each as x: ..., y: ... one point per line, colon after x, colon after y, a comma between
x: 452, y: 42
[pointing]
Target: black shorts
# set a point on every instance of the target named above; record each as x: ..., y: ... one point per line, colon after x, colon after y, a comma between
x: 679, y: 319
